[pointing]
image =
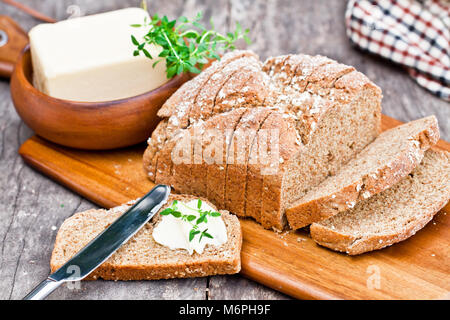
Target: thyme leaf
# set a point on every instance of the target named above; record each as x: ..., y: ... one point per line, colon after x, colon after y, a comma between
x: 187, y: 45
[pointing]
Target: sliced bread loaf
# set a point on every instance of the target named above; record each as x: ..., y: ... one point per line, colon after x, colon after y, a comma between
x: 332, y: 111
x: 190, y: 100
x: 392, y: 215
x: 141, y: 258
x: 383, y: 163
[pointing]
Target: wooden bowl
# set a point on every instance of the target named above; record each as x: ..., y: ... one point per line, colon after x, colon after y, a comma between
x: 87, y: 125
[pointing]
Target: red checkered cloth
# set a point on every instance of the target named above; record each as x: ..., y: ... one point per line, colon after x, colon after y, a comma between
x: 415, y: 34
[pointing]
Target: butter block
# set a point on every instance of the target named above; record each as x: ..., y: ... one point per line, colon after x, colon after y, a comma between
x: 91, y: 58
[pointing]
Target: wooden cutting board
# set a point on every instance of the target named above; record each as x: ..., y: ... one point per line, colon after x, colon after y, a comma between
x: 418, y: 268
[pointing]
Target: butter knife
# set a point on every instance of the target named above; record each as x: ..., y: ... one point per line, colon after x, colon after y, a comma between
x: 105, y: 244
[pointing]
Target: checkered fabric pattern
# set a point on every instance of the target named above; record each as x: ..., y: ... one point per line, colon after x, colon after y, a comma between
x: 415, y: 34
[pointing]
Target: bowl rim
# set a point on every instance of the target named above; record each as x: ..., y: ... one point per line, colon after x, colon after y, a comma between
x: 20, y: 73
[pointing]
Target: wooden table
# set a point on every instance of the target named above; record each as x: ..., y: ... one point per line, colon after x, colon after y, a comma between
x: 32, y: 207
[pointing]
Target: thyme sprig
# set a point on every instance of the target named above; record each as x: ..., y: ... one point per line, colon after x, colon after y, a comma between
x: 189, y: 218
x: 187, y: 45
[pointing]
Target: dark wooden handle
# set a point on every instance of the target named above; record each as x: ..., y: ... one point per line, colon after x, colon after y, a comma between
x: 12, y: 40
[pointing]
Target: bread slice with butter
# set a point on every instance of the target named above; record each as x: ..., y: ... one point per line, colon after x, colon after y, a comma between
x: 142, y: 258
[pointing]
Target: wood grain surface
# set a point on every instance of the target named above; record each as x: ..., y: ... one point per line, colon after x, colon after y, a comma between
x: 32, y: 205
x: 289, y: 262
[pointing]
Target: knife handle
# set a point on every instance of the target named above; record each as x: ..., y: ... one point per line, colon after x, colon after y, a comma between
x: 43, y: 290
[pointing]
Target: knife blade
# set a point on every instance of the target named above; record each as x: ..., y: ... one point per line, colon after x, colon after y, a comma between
x: 105, y: 244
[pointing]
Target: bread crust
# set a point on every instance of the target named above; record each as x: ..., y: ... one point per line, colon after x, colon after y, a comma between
x: 206, y: 101
x: 150, y: 159
x: 193, y: 266
x: 195, y: 85
x: 325, y: 77
x: 306, y: 69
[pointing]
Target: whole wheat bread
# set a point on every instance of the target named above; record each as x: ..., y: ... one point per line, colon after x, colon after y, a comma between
x: 392, y: 215
x: 383, y: 163
x: 141, y: 258
x: 195, y: 100
x: 325, y: 113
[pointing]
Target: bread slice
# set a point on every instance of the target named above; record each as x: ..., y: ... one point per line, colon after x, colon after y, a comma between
x: 230, y: 94
x: 254, y: 180
x: 216, y: 172
x: 279, y: 132
x: 392, y: 215
x: 383, y: 163
x: 141, y: 258
x: 236, y: 174
x: 200, y: 109
x: 176, y: 111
